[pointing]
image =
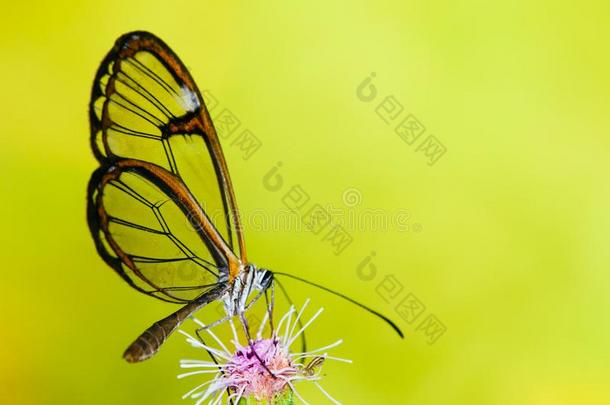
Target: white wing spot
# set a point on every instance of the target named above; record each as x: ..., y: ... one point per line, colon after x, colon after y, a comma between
x: 189, y: 99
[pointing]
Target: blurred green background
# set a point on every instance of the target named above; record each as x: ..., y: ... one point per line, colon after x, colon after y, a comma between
x: 504, y: 239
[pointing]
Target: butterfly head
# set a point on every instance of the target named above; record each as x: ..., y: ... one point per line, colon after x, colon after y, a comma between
x: 263, y: 279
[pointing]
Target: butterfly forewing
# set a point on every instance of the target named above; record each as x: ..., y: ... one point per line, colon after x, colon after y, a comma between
x: 161, y: 207
x: 146, y: 106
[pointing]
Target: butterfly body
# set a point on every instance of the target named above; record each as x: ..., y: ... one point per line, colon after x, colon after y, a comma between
x: 233, y: 294
x: 249, y: 280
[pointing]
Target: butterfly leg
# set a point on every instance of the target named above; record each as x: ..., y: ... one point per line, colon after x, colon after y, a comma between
x: 211, y: 325
x: 270, y: 306
x: 244, y: 323
x: 229, y: 393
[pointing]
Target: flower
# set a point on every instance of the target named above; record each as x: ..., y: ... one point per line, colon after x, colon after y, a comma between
x: 264, y: 370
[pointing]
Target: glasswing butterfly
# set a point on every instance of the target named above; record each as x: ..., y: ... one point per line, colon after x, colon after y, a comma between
x: 161, y: 206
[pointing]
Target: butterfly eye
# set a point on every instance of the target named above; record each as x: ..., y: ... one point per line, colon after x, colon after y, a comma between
x: 266, y: 280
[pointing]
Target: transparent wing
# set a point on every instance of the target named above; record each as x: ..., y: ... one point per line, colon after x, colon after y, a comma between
x: 146, y: 106
x: 136, y: 213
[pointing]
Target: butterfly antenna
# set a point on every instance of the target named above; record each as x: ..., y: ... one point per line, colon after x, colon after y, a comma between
x: 353, y: 301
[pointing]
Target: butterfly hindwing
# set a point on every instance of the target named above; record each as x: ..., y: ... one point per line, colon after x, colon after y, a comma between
x: 136, y: 214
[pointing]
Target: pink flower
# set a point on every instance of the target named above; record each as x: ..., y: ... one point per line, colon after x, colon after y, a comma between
x: 244, y: 366
x: 264, y: 371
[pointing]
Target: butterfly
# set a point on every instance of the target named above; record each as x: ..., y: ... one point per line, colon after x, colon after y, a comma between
x: 161, y: 207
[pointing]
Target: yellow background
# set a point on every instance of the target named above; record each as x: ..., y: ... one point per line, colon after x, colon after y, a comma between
x: 511, y: 248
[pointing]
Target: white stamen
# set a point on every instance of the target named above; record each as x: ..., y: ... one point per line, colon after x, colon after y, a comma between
x: 241, y: 394
x: 180, y: 376
x: 296, y: 393
x: 193, y: 361
x: 330, y: 346
x: 342, y: 360
x: 326, y: 356
x: 296, y: 322
x: 184, y: 364
x: 313, y: 318
x: 197, y: 342
x: 218, y: 398
x: 235, y: 338
x: 286, y: 315
x: 333, y: 400
x: 196, y: 388
x: 191, y: 340
x: 259, y: 334
x: 211, y: 389
x: 213, y: 336
x: 308, y: 378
